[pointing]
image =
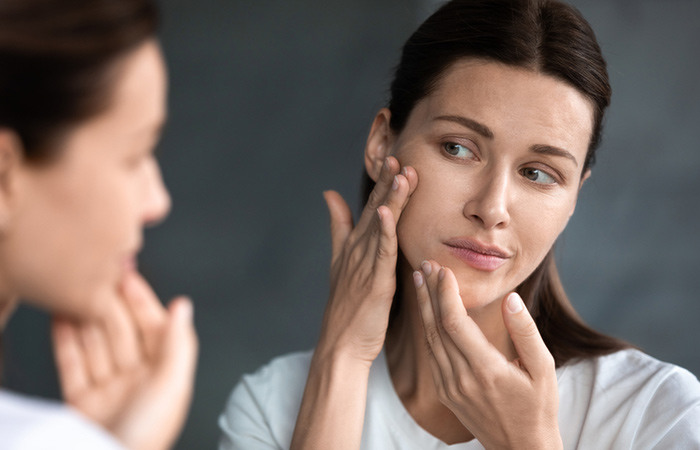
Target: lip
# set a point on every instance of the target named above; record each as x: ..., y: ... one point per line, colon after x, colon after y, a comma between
x: 476, y: 254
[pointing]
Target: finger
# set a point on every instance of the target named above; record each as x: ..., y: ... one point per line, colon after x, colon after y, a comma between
x: 146, y: 310
x: 387, y: 246
x: 532, y: 351
x: 426, y: 317
x: 341, y: 220
x: 122, y: 336
x: 180, y: 344
x: 412, y: 177
x: 429, y: 319
x: 97, y: 352
x: 464, y: 340
x: 398, y: 196
x: 71, y: 365
x: 174, y: 379
x: 378, y: 195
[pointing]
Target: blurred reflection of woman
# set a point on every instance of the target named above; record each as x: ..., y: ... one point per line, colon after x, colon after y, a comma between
x: 82, y: 102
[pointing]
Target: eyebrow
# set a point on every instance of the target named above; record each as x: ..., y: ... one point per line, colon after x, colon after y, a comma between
x: 469, y: 123
x: 553, y: 151
x: 487, y: 133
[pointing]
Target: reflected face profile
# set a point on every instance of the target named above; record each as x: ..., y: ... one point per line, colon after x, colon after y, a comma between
x: 77, y: 222
x: 499, y: 153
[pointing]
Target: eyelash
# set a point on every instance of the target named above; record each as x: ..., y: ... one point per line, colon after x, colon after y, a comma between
x: 445, y: 145
x: 556, y: 177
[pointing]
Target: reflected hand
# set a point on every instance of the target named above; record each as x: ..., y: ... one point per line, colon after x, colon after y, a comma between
x: 363, y: 265
x: 504, y: 404
x: 131, y: 370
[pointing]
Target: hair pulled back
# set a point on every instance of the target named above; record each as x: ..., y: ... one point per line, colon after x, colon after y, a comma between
x: 56, y: 63
x: 545, y: 36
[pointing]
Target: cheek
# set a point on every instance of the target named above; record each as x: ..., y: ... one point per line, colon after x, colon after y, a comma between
x: 537, y: 230
x: 429, y: 211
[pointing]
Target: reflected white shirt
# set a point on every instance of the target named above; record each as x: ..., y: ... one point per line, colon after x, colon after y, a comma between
x: 33, y: 424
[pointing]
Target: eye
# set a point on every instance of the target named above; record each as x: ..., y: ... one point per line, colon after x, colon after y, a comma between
x: 457, y: 150
x: 537, y: 176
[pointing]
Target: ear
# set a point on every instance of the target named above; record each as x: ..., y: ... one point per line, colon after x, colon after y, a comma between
x: 584, y: 177
x: 379, y: 144
x: 10, y: 160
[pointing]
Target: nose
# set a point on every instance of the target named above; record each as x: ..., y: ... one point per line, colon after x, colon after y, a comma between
x: 157, y: 201
x: 488, y: 201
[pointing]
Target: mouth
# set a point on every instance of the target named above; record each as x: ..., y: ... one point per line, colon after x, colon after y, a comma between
x: 478, y: 255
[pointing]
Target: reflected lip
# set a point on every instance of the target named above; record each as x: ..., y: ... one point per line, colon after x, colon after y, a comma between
x: 478, y: 255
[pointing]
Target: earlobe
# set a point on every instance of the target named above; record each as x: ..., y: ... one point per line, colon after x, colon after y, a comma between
x: 379, y: 143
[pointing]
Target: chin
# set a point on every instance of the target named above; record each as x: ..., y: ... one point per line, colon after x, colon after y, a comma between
x: 477, y: 294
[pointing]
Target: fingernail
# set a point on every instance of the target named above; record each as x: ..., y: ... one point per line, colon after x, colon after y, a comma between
x: 379, y: 213
x: 404, y: 171
x: 186, y: 309
x: 441, y: 274
x: 386, y: 163
x: 418, y: 278
x: 427, y: 268
x: 514, y: 303
x: 395, y: 184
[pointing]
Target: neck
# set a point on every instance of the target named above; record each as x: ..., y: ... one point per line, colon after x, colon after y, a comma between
x: 408, y: 363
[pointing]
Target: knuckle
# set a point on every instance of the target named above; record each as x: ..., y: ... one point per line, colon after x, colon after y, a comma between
x: 386, y: 250
x: 374, y: 199
x: 432, y: 336
x: 450, y: 323
x: 464, y: 386
x: 529, y: 329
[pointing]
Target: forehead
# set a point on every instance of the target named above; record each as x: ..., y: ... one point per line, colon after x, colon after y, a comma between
x: 512, y: 102
x: 141, y: 85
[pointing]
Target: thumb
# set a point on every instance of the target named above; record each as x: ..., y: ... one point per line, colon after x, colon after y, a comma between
x: 341, y: 220
x: 532, y: 351
x: 165, y: 398
x: 180, y: 345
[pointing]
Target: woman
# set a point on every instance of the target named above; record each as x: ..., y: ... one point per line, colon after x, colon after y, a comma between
x: 447, y: 325
x: 82, y: 102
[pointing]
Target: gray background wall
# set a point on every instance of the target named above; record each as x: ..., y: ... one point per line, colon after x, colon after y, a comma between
x: 270, y: 105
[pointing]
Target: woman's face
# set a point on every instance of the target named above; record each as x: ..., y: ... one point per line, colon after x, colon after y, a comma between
x: 499, y: 153
x: 76, y: 223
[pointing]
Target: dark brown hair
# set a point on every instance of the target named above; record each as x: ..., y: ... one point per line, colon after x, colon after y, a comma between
x: 56, y: 63
x: 546, y: 36
x: 57, y: 58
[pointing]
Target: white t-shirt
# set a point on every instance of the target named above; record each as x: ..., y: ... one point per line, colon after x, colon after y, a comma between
x: 627, y: 400
x: 33, y: 424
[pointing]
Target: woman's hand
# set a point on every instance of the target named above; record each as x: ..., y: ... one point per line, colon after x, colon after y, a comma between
x: 131, y: 370
x: 363, y: 281
x: 504, y: 404
x: 363, y: 266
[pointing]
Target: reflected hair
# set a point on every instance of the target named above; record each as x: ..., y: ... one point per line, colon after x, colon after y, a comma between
x: 58, y: 61
x: 545, y: 36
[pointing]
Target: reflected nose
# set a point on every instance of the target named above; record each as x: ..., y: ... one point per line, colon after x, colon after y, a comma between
x: 157, y: 199
x: 489, y: 201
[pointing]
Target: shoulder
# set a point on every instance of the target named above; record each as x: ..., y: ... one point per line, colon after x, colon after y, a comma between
x: 630, y: 396
x: 30, y: 423
x: 631, y: 372
x: 276, y: 380
x: 263, y: 406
